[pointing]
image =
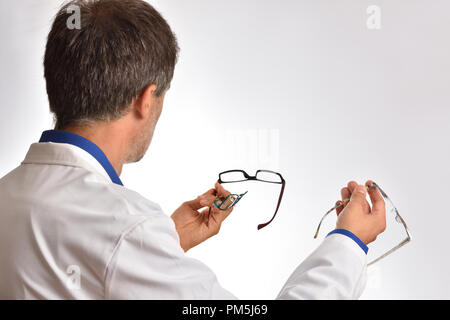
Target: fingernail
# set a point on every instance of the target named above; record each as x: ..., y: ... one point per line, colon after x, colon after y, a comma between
x: 361, y: 189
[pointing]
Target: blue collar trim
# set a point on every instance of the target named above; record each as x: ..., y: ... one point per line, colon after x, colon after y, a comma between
x: 59, y: 136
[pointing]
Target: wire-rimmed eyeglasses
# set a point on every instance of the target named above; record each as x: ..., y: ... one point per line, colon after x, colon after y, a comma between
x: 268, y: 176
x: 394, y: 210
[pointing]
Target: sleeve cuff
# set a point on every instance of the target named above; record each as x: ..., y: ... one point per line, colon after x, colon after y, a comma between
x: 351, y: 236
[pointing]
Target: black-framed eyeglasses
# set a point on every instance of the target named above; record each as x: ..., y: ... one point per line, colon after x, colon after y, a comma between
x: 232, y: 176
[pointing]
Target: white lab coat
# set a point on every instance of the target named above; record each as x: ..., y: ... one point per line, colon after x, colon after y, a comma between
x: 68, y: 232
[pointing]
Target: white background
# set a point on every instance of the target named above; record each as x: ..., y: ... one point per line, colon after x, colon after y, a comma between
x: 303, y: 87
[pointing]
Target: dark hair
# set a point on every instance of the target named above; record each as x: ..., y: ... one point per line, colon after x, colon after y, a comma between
x: 94, y: 72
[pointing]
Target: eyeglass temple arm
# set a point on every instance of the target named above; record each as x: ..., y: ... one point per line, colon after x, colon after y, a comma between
x: 323, y: 218
x: 401, y: 244
x: 262, y: 225
x: 335, y: 207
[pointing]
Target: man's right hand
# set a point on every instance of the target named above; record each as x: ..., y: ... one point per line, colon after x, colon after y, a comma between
x: 194, y: 225
x: 357, y: 216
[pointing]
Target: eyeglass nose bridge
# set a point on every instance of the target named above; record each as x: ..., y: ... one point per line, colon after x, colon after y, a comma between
x: 249, y: 177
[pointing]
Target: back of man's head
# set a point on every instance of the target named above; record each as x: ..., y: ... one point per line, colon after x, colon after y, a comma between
x: 95, y: 71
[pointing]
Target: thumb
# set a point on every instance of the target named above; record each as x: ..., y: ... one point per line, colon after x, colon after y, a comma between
x: 196, y: 204
x: 359, y: 195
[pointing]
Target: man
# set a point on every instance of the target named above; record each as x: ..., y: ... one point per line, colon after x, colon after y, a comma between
x: 69, y: 229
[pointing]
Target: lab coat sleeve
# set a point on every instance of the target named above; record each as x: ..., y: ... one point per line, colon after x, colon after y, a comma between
x: 149, y: 263
x: 335, y: 270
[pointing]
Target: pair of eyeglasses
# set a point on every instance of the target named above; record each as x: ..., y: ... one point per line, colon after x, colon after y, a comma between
x: 232, y: 176
x: 398, y: 218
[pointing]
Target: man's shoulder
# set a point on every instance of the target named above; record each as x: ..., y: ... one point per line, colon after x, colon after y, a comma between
x: 133, y: 202
x: 76, y: 194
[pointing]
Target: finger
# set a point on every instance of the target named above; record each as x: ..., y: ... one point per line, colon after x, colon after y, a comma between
x: 207, y: 200
x: 195, y: 204
x: 202, y: 200
x: 206, y: 215
x: 211, y: 191
x: 221, y: 190
x: 359, y: 196
x: 351, y: 186
x: 378, y: 205
x: 215, y: 215
x: 220, y: 215
x: 345, y: 195
x: 340, y: 206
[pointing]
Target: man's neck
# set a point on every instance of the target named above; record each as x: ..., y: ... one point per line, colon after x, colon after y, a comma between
x: 108, y: 137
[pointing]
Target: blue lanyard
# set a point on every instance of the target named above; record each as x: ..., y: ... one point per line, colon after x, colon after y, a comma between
x: 59, y: 136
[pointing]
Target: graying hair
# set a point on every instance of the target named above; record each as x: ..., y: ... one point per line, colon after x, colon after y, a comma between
x: 94, y: 73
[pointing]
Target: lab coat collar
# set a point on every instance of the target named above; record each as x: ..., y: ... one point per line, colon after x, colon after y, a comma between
x: 59, y: 136
x: 64, y: 148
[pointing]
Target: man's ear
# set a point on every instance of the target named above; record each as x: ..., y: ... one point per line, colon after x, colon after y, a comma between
x: 145, y: 101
